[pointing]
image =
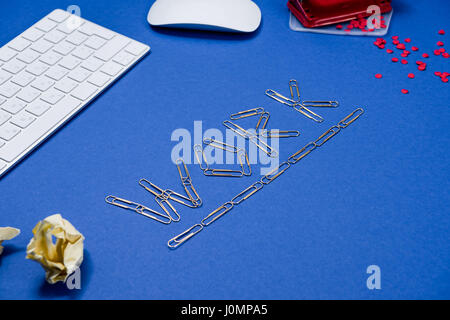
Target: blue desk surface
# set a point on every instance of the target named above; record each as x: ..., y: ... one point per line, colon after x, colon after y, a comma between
x: 377, y: 194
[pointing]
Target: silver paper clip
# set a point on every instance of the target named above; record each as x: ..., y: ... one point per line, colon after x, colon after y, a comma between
x: 138, y: 208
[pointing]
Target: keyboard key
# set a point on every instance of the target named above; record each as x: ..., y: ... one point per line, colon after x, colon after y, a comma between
x: 69, y: 62
x: 135, y: 48
x: 84, y: 91
x: 64, y: 48
x: 43, y: 83
x: 111, y: 68
x: 68, y: 28
x: 82, y: 52
x: 37, y: 68
x: 51, y: 58
x: 9, y: 89
x: 55, y: 36
x: 79, y: 74
x: 123, y: 58
x: 33, y: 34
x: 4, y: 76
x: 14, y: 66
x: 38, y: 108
x: 13, y: 106
x: 23, y: 120
x: 45, y: 25
x: 28, y: 56
x: 23, y: 79
x: 41, y: 46
x: 4, y: 117
x: 99, y: 79
x: 19, y: 44
x: 76, y: 38
x: 7, y: 54
x: 95, y: 42
x: 56, y: 73
x: 28, y: 94
x: 66, y: 85
x: 52, y: 96
x: 90, y: 29
x: 8, y: 131
x: 38, y: 129
x: 110, y: 49
x: 92, y: 64
x: 58, y: 15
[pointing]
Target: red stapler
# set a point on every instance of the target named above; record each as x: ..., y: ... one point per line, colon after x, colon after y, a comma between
x: 316, y: 13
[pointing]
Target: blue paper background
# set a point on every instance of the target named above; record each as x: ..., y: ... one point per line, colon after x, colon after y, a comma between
x: 377, y: 194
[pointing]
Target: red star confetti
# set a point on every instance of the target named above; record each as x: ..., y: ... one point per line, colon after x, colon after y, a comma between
x: 425, y: 55
x: 394, y: 59
x: 404, y: 61
x: 440, y: 43
x: 441, y: 32
x: 414, y: 49
x: 378, y: 76
x: 389, y: 51
x: 404, y: 91
x: 411, y: 75
x: 407, y: 40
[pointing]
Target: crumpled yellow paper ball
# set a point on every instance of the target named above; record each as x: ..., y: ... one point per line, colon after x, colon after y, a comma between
x: 7, y: 233
x: 57, y: 246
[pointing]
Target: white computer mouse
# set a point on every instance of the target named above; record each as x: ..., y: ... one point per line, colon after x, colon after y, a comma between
x: 216, y: 15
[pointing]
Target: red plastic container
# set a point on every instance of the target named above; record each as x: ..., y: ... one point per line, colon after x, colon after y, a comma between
x: 316, y: 13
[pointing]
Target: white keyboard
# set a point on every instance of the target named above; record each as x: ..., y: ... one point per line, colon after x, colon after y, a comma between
x: 50, y: 72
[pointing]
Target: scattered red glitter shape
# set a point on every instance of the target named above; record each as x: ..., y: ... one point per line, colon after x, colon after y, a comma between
x: 404, y: 61
x: 425, y: 55
x: 437, y: 52
x: 404, y: 91
x: 401, y: 46
x: 339, y: 26
x: 404, y: 55
x: 437, y: 73
x: 389, y: 51
x: 394, y: 37
x: 378, y: 76
x: 444, y: 79
x: 411, y: 75
x: 395, y: 42
x: 422, y: 67
x: 441, y: 32
x: 440, y: 43
x: 394, y: 59
x: 418, y: 62
x: 441, y: 50
x: 446, y: 55
x: 407, y: 40
x: 415, y: 49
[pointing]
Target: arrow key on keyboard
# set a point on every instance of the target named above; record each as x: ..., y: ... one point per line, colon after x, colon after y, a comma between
x: 52, y: 96
x: 23, y: 119
x: 37, y: 108
x: 8, y: 131
x: 84, y: 91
